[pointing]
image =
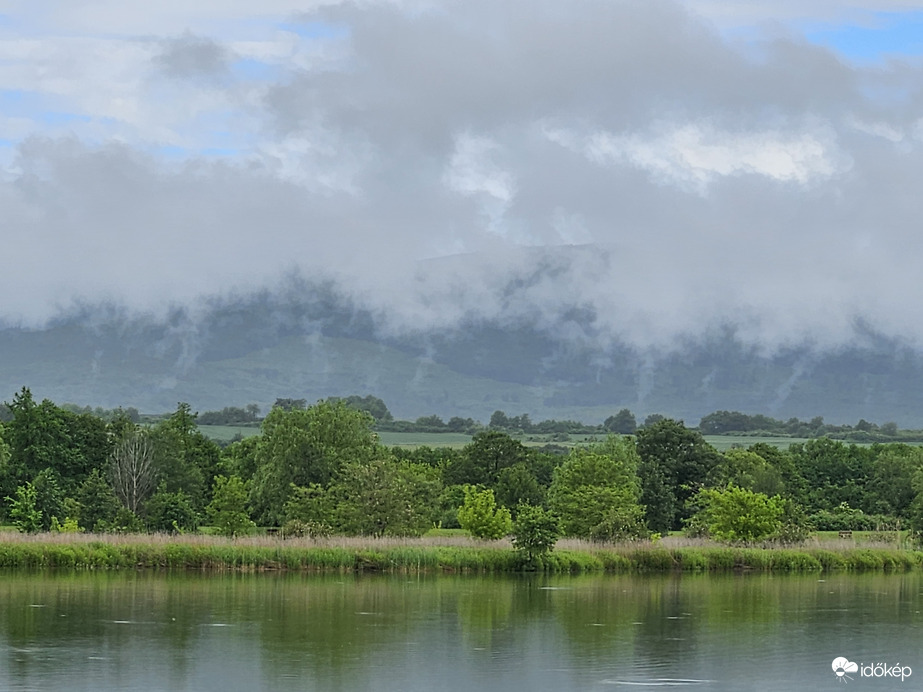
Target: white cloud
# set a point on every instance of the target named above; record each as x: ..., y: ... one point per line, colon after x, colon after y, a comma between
x: 261, y: 145
x: 472, y: 170
x: 694, y: 155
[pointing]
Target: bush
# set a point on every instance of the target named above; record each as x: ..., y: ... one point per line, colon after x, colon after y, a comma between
x: 535, y: 532
x: 739, y: 515
x: 228, y: 509
x: 296, y: 528
x: 171, y: 512
x: 845, y: 518
x: 481, y: 517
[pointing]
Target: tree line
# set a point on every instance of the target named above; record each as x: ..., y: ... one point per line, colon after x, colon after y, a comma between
x: 624, y: 422
x: 321, y: 469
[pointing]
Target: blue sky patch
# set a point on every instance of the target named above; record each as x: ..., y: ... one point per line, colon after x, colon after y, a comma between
x: 55, y: 118
x: 255, y: 70
x: 316, y: 30
x: 887, y: 35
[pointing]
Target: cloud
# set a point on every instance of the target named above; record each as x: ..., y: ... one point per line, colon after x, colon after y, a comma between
x: 626, y: 162
x: 190, y: 56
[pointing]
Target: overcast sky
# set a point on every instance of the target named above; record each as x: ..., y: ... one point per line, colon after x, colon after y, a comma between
x: 748, y: 163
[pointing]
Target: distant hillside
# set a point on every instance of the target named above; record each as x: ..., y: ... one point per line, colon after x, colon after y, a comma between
x: 319, y: 344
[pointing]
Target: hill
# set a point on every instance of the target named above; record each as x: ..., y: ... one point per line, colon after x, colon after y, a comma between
x: 319, y: 343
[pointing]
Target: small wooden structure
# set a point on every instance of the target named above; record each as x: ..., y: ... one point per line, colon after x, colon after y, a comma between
x: 845, y: 534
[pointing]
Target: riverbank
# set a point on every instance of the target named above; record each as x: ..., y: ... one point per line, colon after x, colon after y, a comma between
x: 428, y: 555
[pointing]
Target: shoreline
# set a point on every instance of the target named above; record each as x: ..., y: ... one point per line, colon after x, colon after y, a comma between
x: 80, y: 552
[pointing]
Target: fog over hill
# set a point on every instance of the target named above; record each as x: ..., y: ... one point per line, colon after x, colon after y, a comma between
x: 545, y: 358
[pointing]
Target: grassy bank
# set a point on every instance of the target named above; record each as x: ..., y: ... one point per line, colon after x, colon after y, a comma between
x: 433, y: 555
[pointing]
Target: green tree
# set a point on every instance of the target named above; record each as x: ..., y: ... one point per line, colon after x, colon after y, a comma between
x: 98, y: 503
x: 45, y: 436
x: 170, y: 511
x: 499, y: 420
x: 735, y: 514
x: 372, y: 405
x: 892, y: 480
x: 480, y: 516
x: 239, y: 458
x: 310, y: 510
x: 432, y: 422
x: 652, y: 419
x: 595, y: 492
x: 23, y: 510
x: 7, y: 479
x: 622, y: 423
x: 49, y: 498
x: 748, y: 470
x: 783, y: 461
x: 304, y: 446
x: 517, y: 485
x: 482, y: 460
x: 387, y: 497
x: 228, y: 509
x: 834, y: 473
x: 675, y: 463
x: 185, y: 460
x: 535, y: 532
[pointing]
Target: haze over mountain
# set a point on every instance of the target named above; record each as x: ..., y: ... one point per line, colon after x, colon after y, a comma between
x: 544, y: 207
x: 311, y: 341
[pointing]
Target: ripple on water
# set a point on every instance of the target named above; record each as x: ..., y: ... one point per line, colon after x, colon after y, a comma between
x: 658, y: 682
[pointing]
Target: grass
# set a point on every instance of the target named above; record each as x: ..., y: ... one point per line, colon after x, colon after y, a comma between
x: 415, y: 439
x: 226, y: 433
x: 438, y: 553
x: 725, y: 442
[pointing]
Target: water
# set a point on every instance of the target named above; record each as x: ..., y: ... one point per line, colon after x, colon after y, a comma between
x: 294, y: 632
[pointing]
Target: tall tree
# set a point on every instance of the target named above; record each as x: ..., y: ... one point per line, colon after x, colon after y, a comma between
x: 387, y: 497
x: 622, y: 423
x: 834, y: 473
x: 185, y: 459
x: 595, y: 492
x: 304, y: 446
x: 45, y: 436
x: 482, y: 460
x: 228, y: 509
x: 675, y: 463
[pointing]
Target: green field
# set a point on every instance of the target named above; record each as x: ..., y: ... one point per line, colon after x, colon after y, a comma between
x: 412, y: 439
x: 226, y: 433
x: 724, y: 442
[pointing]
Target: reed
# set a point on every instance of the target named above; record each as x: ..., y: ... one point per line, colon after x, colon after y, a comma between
x: 430, y: 555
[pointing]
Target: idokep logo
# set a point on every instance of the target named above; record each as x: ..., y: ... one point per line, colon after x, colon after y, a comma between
x: 843, y: 666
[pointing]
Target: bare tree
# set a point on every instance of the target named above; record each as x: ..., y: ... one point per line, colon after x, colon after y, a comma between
x: 132, y: 469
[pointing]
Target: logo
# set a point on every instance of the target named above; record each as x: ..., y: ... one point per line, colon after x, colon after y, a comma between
x: 842, y: 667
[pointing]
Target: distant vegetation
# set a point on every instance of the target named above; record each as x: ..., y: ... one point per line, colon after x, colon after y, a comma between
x: 319, y: 470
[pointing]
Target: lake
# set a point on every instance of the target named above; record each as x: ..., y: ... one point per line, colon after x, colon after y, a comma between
x: 148, y: 631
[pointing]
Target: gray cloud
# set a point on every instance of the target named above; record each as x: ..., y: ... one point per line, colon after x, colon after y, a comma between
x: 621, y: 158
x: 193, y: 57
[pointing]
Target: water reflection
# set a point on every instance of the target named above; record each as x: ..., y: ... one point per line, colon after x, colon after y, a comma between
x: 245, y: 632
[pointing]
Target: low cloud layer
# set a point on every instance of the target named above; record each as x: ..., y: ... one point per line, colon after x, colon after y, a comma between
x: 470, y: 160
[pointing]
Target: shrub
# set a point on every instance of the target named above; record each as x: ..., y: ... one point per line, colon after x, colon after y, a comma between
x: 535, y: 532
x: 481, y: 517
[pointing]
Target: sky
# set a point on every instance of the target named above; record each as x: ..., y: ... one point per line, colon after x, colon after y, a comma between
x: 665, y: 169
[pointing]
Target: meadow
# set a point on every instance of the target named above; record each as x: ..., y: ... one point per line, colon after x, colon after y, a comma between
x: 226, y: 433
